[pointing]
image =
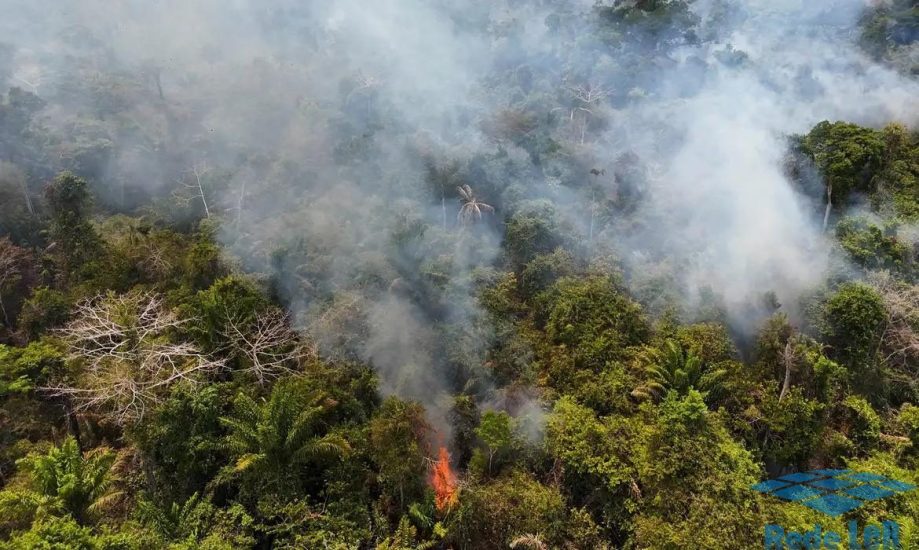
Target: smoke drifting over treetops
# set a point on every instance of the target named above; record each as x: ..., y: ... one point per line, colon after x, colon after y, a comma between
x: 330, y: 138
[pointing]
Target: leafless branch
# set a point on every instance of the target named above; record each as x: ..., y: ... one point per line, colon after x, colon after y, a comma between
x: 268, y: 343
x: 900, y: 339
x: 196, y: 186
x: 11, y: 260
x: 124, y: 346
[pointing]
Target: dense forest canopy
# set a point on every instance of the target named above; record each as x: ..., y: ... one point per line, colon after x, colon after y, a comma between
x: 433, y: 274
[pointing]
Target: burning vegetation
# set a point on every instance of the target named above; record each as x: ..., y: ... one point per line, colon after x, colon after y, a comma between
x: 443, y: 480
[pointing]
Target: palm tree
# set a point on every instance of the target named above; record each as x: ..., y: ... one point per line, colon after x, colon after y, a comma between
x: 404, y: 538
x: 472, y: 207
x: 178, y: 521
x: 67, y: 481
x: 674, y: 369
x: 272, y: 439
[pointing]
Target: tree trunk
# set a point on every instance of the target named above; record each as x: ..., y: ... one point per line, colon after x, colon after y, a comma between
x: 159, y: 84
x: 207, y: 211
x: 829, y: 205
x: 73, y: 424
x: 593, y: 210
x: 239, y: 206
x: 788, y: 358
x: 25, y: 194
x: 6, y: 318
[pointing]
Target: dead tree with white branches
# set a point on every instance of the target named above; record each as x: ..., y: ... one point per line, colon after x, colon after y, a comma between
x: 194, y: 186
x: 11, y: 260
x: 899, y: 345
x: 268, y: 346
x: 588, y: 97
x: 126, y: 356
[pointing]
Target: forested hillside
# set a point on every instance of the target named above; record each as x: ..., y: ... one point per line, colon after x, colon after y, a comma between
x: 412, y: 274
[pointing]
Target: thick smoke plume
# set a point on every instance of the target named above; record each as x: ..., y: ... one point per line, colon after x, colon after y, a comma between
x: 328, y: 140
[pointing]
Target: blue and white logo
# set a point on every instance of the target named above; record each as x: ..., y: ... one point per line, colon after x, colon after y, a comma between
x: 833, y: 492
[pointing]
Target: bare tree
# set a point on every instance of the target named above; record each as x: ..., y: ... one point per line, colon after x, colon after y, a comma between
x: 127, y: 357
x: 367, y: 85
x: 587, y: 96
x: 196, y: 187
x: 11, y: 259
x: 789, y: 359
x: 899, y: 343
x: 13, y: 174
x: 270, y: 346
x: 472, y: 207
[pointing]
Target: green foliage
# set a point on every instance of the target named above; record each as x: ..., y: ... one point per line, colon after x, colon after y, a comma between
x: 45, y: 309
x: 67, y: 481
x: 591, y: 447
x: 853, y: 319
x: 655, y: 24
x: 182, y: 440
x: 593, y: 316
x: 871, y: 246
x: 233, y: 299
x: 657, y: 427
x: 533, y: 231
x: 272, y: 442
x: 888, y: 31
x: 499, y: 511
x: 55, y: 534
x: 543, y: 270
x: 22, y: 369
x: 397, y: 435
x: 863, y: 425
x: 846, y: 154
x: 711, y: 342
x: 792, y: 428
x: 71, y: 231
x: 674, y: 369
x: 695, y: 481
x: 496, y: 431
x: 909, y: 422
x: 405, y: 538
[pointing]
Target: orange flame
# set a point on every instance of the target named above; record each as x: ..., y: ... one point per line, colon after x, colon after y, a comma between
x: 444, y: 481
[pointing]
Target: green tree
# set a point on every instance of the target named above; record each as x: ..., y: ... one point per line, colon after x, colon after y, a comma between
x: 405, y: 538
x: 496, y: 430
x: 871, y: 246
x: 66, y: 481
x: 230, y: 300
x: 397, y: 435
x: 674, y: 369
x: 847, y: 155
x: 695, y: 482
x: 496, y: 513
x: 71, y: 231
x: 182, y: 441
x: 853, y: 323
x: 273, y: 440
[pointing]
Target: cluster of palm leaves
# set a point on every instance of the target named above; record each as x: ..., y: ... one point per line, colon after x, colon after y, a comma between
x: 472, y: 208
x: 674, y: 369
x: 64, y: 481
x: 272, y: 439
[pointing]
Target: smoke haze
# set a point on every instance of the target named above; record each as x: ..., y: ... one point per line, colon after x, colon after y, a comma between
x: 344, y: 127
